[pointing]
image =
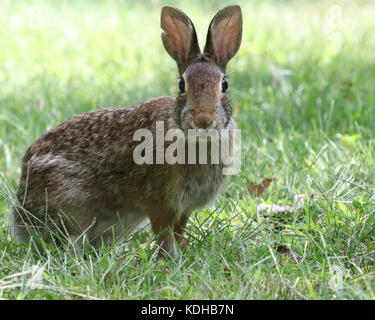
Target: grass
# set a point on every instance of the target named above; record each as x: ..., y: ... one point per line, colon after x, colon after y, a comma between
x: 302, y: 94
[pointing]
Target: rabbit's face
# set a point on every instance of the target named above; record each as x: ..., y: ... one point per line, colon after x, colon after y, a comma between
x: 202, y: 102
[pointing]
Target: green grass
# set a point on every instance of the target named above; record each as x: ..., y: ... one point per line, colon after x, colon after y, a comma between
x: 302, y: 89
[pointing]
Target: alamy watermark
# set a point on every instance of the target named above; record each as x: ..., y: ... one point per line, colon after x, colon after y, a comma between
x: 198, y: 146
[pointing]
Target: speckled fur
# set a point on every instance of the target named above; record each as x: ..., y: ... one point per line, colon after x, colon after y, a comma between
x: 80, y: 176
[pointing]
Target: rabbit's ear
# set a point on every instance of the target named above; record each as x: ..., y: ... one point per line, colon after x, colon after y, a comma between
x: 179, y: 37
x: 224, y: 35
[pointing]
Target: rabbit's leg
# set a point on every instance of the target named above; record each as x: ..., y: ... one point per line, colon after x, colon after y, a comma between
x: 179, y: 230
x: 29, y: 214
x: 17, y: 225
x: 162, y: 223
x: 54, y: 197
x: 27, y: 221
x: 123, y: 225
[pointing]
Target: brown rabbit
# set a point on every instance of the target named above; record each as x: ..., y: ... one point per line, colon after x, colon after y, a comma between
x: 81, y: 177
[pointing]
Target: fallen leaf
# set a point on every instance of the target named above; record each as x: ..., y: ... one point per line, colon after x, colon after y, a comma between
x: 146, y: 244
x: 274, y: 208
x: 284, y: 250
x: 299, y: 200
x: 298, y: 204
x: 256, y: 190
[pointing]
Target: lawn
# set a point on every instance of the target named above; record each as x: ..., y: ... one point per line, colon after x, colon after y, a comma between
x: 302, y: 90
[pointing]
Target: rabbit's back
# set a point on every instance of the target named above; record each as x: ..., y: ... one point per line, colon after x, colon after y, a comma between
x: 95, y: 148
x: 102, y: 133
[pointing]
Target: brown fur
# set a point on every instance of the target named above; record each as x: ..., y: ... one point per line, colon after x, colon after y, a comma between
x: 82, y: 174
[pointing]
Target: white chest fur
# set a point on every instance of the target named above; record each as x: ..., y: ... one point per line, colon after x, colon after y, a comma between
x: 200, y: 186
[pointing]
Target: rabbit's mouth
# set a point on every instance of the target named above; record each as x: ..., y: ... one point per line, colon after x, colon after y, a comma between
x: 213, y: 125
x: 189, y: 119
x: 188, y: 116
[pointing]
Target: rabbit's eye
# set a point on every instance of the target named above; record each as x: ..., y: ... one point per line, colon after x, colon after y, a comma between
x: 181, y: 85
x: 224, y: 84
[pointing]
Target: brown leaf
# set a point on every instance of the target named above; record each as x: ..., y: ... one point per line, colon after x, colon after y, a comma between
x: 256, y: 190
x: 285, y: 250
x: 282, y: 249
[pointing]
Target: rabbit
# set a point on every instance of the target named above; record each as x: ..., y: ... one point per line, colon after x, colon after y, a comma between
x: 80, y: 177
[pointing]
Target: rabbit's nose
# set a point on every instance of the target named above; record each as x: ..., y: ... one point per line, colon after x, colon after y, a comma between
x: 203, y: 120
